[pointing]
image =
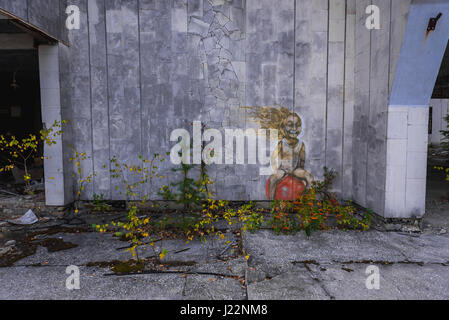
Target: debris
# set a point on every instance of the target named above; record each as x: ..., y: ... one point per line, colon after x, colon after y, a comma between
x: 27, y: 219
x: 4, y: 250
x: 37, y: 186
x: 226, y: 248
x: 8, y: 192
x: 55, y: 245
x: 182, y: 250
x: 10, y: 243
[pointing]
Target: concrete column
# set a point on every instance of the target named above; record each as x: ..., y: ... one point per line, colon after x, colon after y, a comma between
x: 407, y: 141
x: 55, y: 193
x: 408, y: 112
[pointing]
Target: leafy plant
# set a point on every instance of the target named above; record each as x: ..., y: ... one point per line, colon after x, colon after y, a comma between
x: 189, y: 192
x: 322, y: 188
x: 443, y: 169
x: 254, y: 221
x: 100, y: 204
x: 132, y: 176
x: 81, y: 179
x: 20, y: 152
x: 311, y: 211
x: 135, y: 230
x: 246, y: 218
x: 132, y: 230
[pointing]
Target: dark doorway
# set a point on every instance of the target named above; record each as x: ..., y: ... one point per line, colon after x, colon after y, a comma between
x: 437, y: 188
x: 20, y: 103
x: 20, y: 106
x: 438, y: 155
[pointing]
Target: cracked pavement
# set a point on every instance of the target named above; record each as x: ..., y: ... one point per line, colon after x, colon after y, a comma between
x: 333, y: 265
x: 328, y: 265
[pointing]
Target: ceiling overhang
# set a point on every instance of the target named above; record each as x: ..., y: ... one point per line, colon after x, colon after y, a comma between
x: 38, y: 34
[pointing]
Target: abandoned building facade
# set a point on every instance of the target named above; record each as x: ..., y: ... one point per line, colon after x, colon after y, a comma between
x: 346, y: 91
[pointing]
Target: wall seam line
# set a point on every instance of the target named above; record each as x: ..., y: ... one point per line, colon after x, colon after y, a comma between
x: 344, y: 103
x: 327, y: 85
x: 388, y: 108
x: 369, y: 111
x: 90, y: 97
x: 294, y: 55
x: 140, y: 86
x: 107, y: 98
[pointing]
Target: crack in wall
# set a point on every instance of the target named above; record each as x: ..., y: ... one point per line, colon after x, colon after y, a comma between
x: 222, y: 74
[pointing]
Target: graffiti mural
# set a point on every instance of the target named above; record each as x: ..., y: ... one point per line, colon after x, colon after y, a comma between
x: 290, y: 178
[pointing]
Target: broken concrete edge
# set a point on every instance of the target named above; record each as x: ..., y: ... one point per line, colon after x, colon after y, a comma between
x: 17, y: 206
x: 407, y: 225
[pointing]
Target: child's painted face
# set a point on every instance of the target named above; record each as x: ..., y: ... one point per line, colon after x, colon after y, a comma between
x: 292, y: 127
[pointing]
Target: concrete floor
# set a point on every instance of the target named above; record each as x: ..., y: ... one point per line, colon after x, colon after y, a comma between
x: 328, y: 265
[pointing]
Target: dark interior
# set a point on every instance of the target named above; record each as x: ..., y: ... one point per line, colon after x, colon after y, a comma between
x: 20, y: 107
x: 441, y: 90
x: 437, y: 185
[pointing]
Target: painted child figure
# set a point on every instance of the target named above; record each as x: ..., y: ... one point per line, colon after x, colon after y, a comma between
x: 290, y: 155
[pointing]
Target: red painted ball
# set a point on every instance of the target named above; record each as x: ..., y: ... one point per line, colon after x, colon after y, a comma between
x: 288, y: 189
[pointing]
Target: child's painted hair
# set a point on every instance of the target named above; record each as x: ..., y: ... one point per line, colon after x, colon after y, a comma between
x: 272, y: 117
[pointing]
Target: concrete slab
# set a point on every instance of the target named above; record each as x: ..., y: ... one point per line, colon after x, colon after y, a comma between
x: 275, y: 254
x: 397, y: 281
x: 205, y: 287
x: 292, y: 285
x: 92, y: 247
x: 192, y: 271
x: 49, y: 283
x: 328, y: 265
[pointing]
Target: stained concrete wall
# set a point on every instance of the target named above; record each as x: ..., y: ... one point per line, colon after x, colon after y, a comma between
x: 377, y: 53
x: 48, y: 15
x: 136, y: 70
